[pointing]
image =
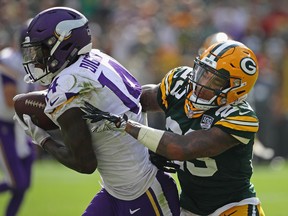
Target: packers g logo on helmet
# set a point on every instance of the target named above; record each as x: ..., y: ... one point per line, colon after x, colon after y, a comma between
x: 248, y: 65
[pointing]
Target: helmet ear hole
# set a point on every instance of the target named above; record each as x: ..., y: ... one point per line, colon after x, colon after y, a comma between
x: 240, y: 92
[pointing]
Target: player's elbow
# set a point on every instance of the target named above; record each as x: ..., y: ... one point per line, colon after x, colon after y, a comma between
x: 87, y: 171
x: 87, y: 168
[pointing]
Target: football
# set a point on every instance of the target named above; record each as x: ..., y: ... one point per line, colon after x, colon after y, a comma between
x: 33, y: 104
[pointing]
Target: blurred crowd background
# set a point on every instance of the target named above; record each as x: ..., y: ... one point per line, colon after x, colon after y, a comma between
x: 150, y: 37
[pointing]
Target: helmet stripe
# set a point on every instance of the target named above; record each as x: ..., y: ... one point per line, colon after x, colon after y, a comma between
x: 216, y: 47
x: 220, y: 49
x: 212, y: 51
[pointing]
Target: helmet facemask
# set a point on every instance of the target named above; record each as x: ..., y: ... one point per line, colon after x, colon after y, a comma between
x: 35, y: 59
x: 208, y: 85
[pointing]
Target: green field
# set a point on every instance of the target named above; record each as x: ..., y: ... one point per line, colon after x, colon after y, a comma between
x: 58, y: 191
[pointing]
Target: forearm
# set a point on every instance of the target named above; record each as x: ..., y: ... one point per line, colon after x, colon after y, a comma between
x: 66, y: 157
x: 157, y: 141
x: 196, y: 144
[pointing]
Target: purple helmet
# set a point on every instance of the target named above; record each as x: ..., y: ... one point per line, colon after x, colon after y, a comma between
x: 54, y: 39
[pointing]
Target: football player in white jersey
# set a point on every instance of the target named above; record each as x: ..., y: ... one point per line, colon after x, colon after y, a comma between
x: 57, y: 52
x: 209, y: 126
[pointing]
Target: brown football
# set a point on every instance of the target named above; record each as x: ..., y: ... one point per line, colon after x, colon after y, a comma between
x: 33, y: 104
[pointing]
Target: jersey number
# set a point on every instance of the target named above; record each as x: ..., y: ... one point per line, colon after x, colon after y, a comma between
x: 208, y: 165
x: 131, y: 84
x: 208, y: 169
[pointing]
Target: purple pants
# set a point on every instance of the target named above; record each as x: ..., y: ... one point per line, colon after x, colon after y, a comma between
x: 19, y: 169
x: 103, y: 204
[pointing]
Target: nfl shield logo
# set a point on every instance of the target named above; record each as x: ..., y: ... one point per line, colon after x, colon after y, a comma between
x: 206, y: 122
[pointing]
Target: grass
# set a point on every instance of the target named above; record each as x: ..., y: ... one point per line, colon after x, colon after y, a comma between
x: 271, y: 183
x: 56, y: 190
x: 59, y: 191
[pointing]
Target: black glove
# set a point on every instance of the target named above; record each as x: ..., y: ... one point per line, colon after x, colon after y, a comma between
x: 95, y: 115
x: 163, y: 163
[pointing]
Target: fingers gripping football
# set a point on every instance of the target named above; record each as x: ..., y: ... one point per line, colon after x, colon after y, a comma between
x: 37, y: 134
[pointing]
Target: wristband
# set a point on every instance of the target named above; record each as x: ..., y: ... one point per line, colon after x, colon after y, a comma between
x: 150, y: 137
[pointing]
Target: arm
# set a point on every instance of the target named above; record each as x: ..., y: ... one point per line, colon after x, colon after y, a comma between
x: 196, y: 144
x: 77, y: 153
x: 148, y: 98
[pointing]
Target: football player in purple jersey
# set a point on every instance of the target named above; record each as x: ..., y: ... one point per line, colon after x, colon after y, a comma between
x: 58, y: 52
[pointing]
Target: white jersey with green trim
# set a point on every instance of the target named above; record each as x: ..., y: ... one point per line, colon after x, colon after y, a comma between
x: 123, y: 162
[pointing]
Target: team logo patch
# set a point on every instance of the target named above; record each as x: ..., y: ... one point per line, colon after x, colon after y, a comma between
x: 206, y: 122
x: 248, y: 65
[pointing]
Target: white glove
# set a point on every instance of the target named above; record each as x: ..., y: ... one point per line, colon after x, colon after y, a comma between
x: 37, y: 134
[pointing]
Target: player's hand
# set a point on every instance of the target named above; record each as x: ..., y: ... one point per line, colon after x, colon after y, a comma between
x: 111, y: 121
x: 37, y: 134
x: 163, y: 163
